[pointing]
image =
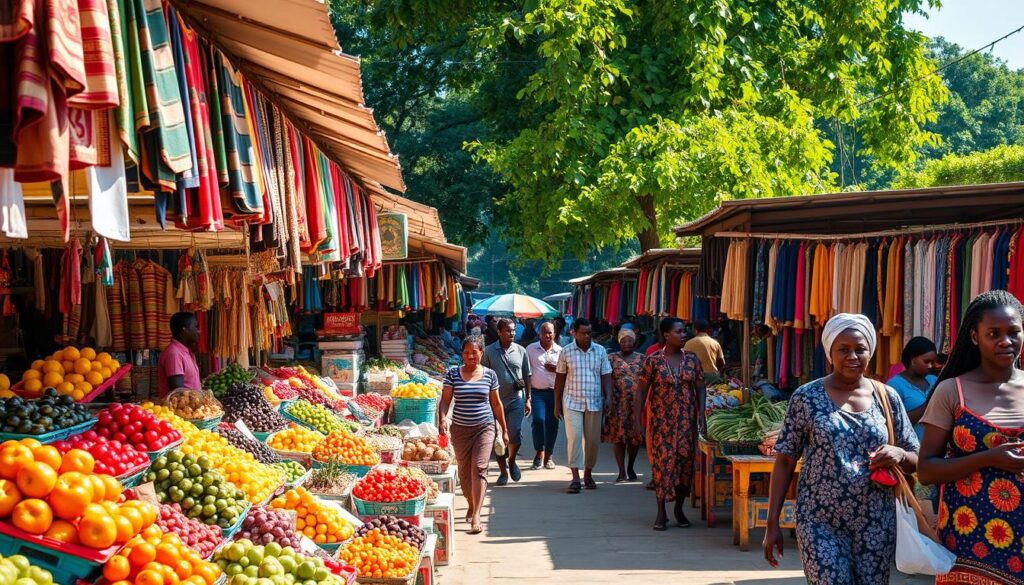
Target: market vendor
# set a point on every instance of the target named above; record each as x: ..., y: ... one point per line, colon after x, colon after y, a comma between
x: 178, y: 367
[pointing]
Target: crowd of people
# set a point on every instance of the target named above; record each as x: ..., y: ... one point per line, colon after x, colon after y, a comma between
x: 951, y: 425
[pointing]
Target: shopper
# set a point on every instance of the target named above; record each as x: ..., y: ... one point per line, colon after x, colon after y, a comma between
x: 474, y: 391
x: 916, y: 380
x: 973, y: 425
x: 845, y: 522
x: 583, y: 385
x: 510, y: 362
x: 708, y: 351
x: 658, y: 344
x: 671, y: 388
x: 543, y: 356
x: 620, y: 425
x: 177, y: 367
x: 490, y: 330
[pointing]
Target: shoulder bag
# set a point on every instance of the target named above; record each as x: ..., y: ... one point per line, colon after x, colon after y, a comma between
x: 918, y: 550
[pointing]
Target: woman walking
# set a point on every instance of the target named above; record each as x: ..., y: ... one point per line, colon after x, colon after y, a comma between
x: 846, y: 523
x: 973, y: 425
x: 620, y: 427
x: 671, y: 388
x: 474, y: 390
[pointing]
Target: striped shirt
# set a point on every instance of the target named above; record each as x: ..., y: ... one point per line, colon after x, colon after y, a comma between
x: 472, y: 399
x: 583, y: 371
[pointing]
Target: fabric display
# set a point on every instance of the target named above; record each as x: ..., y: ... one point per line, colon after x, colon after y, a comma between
x: 907, y: 285
x: 608, y: 300
x: 658, y: 290
x: 127, y: 91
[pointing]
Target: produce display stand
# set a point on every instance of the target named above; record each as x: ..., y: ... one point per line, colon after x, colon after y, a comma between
x: 65, y: 561
x: 107, y: 384
x: 130, y: 478
x: 230, y: 531
x: 52, y: 436
x: 153, y: 455
x: 414, y: 507
x: 743, y: 518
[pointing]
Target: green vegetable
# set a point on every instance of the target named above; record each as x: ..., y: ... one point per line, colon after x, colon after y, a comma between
x: 749, y: 422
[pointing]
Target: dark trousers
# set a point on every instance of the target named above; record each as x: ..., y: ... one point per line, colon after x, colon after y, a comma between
x: 545, y: 425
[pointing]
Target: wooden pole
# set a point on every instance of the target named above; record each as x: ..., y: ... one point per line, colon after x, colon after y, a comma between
x: 745, y: 353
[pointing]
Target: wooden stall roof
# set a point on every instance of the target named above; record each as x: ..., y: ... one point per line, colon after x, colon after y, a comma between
x: 863, y: 212
x: 610, y: 274
x: 287, y: 48
x: 685, y: 257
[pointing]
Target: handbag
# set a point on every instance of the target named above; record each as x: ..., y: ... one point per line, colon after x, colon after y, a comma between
x: 918, y: 550
x: 499, y: 443
x: 517, y: 382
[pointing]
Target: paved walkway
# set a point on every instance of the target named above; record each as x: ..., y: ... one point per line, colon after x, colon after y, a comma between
x: 536, y: 533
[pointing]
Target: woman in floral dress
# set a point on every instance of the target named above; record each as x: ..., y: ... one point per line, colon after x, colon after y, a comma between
x: 671, y: 387
x: 845, y: 522
x: 620, y: 425
x: 973, y: 426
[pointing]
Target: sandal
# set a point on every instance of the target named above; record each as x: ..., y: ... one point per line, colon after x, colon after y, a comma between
x: 631, y: 475
x: 620, y: 479
x: 660, y: 527
x: 574, y: 487
x: 476, y: 529
x: 589, y: 483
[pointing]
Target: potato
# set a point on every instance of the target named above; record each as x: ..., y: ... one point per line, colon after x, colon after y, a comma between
x: 440, y: 455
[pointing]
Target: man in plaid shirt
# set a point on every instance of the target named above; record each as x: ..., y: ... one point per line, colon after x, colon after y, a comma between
x: 583, y: 386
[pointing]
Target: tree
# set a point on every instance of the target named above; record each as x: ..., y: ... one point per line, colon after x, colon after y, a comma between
x: 1001, y: 164
x: 640, y: 114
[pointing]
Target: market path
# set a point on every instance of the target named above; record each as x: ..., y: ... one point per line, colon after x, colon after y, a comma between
x: 536, y: 533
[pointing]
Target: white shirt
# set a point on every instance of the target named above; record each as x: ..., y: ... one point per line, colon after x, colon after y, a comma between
x: 540, y: 377
x: 583, y: 371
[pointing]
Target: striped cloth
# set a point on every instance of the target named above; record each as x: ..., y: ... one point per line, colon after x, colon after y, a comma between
x: 117, y: 302
x: 238, y: 150
x: 124, y: 115
x: 471, y: 399
x: 101, y: 88
x: 64, y: 39
x: 135, y: 314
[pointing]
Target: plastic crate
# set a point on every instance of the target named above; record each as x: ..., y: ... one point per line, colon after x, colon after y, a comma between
x: 206, y: 424
x: 357, y: 470
x: 230, y: 531
x: 154, y: 454
x: 413, y: 507
x: 66, y: 562
x: 52, y: 436
x: 131, y: 477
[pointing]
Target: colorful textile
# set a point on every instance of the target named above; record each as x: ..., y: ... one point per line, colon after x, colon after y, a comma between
x: 620, y: 422
x: 101, y: 90
x: 671, y: 420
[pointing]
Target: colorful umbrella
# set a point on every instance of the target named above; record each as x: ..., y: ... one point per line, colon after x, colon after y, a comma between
x: 515, y: 305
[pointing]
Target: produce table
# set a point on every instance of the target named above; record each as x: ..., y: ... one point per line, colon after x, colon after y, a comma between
x: 705, y: 489
x: 742, y: 467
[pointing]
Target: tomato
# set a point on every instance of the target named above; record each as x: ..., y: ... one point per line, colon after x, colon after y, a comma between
x: 77, y: 460
x: 71, y: 495
x: 36, y: 479
x: 33, y: 516
x: 13, y: 456
x: 97, y: 531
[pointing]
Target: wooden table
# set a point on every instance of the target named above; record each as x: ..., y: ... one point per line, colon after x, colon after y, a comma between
x: 742, y: 467
x: 706, y: 479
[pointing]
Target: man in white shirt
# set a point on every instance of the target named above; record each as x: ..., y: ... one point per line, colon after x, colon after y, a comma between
x: 583, y: 385
x: 543, y: 361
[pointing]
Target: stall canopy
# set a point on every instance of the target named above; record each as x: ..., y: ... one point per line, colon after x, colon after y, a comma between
x: 680, y: 257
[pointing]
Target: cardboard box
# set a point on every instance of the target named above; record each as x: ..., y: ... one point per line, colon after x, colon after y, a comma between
x: 342, y: 367
x: 426, y: 574
x: 447, y: 480
x: 442, y: 513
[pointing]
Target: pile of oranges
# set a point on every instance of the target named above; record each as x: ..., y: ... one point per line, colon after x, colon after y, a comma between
x: 296, y: 439
x: 379, y: 555
x: 317, y: 520
x: 158, y: 558
x: 42, y: 492
x: 344, y: 447
x: 71, y: 371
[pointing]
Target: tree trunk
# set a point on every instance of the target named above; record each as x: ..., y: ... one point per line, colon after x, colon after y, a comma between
x: 649, y: 238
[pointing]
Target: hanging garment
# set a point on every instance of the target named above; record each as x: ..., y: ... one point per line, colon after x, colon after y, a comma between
x: 71, y: 277
x: 100, y: 90
x: 12, y: 206
x: 108, y: 194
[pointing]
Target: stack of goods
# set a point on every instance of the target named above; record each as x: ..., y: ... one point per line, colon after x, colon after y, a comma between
x: 202, y: 538
x: 152, y: 557
x: 277, y: 391
x: 249, y: 444
x: 307, y: 386
x: 431, y: 355
x: 136, y: 426
x: 393, y: 526
x: 317, y: 520
x: 431, y: 454
x: 433, y: 489
x: 744, y: 427
x: 265, y: 525
x: 113, y: 457
x: 199, y: 407
x: 382, y: 375
x: 297, y: 439
x: 222, y: 381
x: 188, y: 481
x: 346, y: 449
x: 379, y: 555
x: 281, y: 562
x: 724, y: 395
x: 389, y: 448
x: 341, y: 360
x: 317, y: 417
x: 416, y: 402
x: 394, y: 344
x: 42, y: 417
x: 72, y: 372
x: 369, y: 407
x: 247, y: 403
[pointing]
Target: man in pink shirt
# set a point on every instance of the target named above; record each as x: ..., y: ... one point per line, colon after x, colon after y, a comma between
x: 178, y: 368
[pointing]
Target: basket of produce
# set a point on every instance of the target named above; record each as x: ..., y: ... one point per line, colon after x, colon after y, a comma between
x: 293, y: 566
x: 367, y: 552
x: 295, y: 473
x: 112, y: 457
x: 264, y: 525
x: 433, y: 490
x: 416, y: 402
x: 348, y: 450
x: 249, y: 444
x: 198, y: 407
x: 316, y: 417
x: 247, y: 403
x: 326, y: 524
x: 220, y: 382
x: 202, y: 538
x: 388, y: 448
x: 386, y: 490
x: 178, y: 477
x: 233, y: 529
x: 428, y: 454
x: 18, y: 568
x: 331, y: 481
x: 81, y: 374
x: 372, y: 405
x: 740, y: 430
x: 381, y: 381
x: 295, y: 443
x: 50, y: 418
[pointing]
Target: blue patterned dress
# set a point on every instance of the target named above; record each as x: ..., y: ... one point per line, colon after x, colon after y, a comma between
x: 845, y: 523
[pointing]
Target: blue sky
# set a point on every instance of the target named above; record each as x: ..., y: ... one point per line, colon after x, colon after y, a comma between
x: 974, y: 23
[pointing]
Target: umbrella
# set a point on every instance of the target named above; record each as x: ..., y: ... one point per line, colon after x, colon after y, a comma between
x: 515, y: 305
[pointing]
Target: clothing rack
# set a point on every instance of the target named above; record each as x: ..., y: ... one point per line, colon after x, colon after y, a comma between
x: 879, y: 234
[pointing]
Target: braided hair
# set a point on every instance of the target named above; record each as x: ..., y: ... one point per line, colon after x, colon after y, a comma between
x: 965, y: 355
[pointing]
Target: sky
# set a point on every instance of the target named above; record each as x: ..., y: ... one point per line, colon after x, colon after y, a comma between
x: 975, y: 23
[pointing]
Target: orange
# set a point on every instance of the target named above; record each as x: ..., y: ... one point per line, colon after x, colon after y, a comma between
x: 33, y: 386
x: 142, y: 554
x: 74, y: 378
x: 31, y: 443
x: 77, y: 460
x: 31, y: 375
x: 65, y: 388
x: 97, y: 531
x: 47, y: 454
x: 68, y: 367
x: 104, y: 358
x: 63, y: 531
x: 117, y: 568
x: 135, y: 517
x: 71, y: 354
x: 114, y: 365
x: 51, y: 379
x: 208, y: 571
x: 88, y: 353
x: 36, y: 479
x: 152, y: 531
x: 83, y: 387
x: 113, y: 488
x: 71, y: 496
x: 38, y: 365
x: 125, y: 530
x: 95, y: 378
x: 77, y: 394
x: 33, y: 516
x: 183, y: 569
x: 83, y: 366
x: 167, y: 554
x: 53, y: 366
x: 96, y: 366
x: 99, y: 488
x: 105, y: 372
x: 9, y: 497
x: 149, y: 577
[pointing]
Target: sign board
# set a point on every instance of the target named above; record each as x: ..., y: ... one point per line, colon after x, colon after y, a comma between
x: 394, y: 235
x: 341, y: 323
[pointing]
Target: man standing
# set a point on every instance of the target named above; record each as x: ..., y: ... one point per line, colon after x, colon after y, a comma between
x: 510, y: 362
x: 583, y: 385
x: 543, y: 362
x: 708, y: 350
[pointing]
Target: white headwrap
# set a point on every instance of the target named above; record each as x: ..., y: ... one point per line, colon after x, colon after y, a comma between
x: 626, y: 332
x: 842, y: 322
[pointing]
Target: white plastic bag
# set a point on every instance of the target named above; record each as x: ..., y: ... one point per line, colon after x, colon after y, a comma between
x: 916, y: 554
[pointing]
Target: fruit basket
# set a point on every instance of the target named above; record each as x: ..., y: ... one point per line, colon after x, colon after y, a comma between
x: 107, y: 384
x: 421, y: 452
x: 206, y: 424
x: 234, y: 528
x: 154, y: 454
x: 67, y: 562
x: 357, y: 470
x: 303, y: 457
x: 131, y: 477
x: 418, y: 410
x: 50, y: 437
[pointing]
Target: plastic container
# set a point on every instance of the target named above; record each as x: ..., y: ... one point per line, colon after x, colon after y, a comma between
x: 413, y: 507
x: 107, y: 384
x: 356, y: 470
x: 67, y: 562
x: 206, y: 424
x: 234, y: 528
x: 154, y: 454
x: 131, y: 477
x: 52, y: 436
x: 418, y: 410
x: 306, y: 459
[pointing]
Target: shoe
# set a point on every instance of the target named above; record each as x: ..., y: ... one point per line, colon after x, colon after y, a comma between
x: 537, y: 464
x: 549, y: 464
x: 589, y: 483
x: 502, y: 480
x: 631, y: 475
x: 574, y: 487
x: 515, y: 472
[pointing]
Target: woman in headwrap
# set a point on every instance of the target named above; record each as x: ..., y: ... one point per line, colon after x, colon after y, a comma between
x: 619, y: 424
x: 846, y: 523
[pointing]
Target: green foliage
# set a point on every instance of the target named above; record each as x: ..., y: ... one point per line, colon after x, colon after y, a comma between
x: 1001, y: 164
